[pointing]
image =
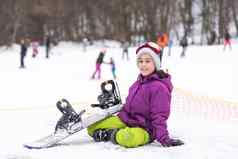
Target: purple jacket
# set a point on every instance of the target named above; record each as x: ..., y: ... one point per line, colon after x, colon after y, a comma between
x: 148, y: 106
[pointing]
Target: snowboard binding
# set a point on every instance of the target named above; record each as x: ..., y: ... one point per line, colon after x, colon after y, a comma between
x: 69, y: 117
x: 110, y: 96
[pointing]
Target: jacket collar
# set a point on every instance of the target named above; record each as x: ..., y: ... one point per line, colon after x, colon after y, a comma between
x: 155, y: 76
x: 144, y: 79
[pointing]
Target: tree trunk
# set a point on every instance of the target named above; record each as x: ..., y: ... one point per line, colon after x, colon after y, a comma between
x: 234, y: 14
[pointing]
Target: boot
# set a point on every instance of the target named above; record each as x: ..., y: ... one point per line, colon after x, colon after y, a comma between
x: 105, y: 135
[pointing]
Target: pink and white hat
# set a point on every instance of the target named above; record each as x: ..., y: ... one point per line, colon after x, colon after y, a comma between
x: 152, y: 49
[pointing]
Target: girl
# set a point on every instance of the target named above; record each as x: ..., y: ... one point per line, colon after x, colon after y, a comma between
x: 99, y: 62
x: 143, y: 117
x: 35, y: 46
x: 113, y: 67
x: 227, y: 40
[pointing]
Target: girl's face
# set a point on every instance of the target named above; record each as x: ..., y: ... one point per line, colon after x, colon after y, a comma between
x: 146, y: 64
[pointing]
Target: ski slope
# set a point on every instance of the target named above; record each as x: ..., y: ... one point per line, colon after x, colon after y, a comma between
x: 204, y: 107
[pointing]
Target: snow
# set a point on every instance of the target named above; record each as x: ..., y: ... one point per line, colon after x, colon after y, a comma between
x: 207, y: 125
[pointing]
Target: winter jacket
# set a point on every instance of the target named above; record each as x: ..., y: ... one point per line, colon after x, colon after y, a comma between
x: 23, y: 50
x: 100, y: 58
x: 148, y: 106
x: 162, y: 40
x: 227, y: 36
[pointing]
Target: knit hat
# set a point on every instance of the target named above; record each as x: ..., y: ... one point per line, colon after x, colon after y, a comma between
x: 152, y: 49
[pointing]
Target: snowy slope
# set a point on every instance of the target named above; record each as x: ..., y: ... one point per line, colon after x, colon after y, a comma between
x: 28, y: 96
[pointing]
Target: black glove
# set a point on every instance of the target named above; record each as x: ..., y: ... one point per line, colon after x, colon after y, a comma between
x: 171, y: 142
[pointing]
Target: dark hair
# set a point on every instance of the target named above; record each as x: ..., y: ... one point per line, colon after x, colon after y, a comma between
x: 162, y: 74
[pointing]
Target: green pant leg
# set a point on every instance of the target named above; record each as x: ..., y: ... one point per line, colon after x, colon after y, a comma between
x: 108, y: 123
x: 132, y: 137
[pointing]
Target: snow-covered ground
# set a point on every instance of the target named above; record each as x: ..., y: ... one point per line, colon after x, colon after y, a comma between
x: 28, y: 97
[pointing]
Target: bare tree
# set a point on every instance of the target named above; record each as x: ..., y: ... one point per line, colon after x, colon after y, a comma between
x: 13, y: 17
x: 185, y: 7
x: 234, y: 6
x: 208, y: 14
x: 116, y: 19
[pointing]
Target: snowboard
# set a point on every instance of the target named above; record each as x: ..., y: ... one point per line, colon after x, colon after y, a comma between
x: 72, y: 122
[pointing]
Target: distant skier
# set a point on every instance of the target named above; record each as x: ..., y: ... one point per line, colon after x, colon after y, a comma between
x: 99, y: 62
x: 170, y: 44
x: 85, y: 44
x: 162, y: 41
x: 184, y: 44
x: 144, y: 116
x: 125, y: 51
x: 47, y: 46
x: 23, y: 53
x: 113, y: 67
x: 34, y: 45
x: 227, y: 40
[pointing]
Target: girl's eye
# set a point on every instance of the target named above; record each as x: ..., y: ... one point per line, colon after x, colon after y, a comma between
x: 147, y: 61
x: 144, y: 60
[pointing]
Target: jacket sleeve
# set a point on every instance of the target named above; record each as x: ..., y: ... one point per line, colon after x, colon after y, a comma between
x: 125, y: 109
x: 160, y: 110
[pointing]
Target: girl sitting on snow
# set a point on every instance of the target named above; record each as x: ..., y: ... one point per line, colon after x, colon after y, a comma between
x: 143, y: 117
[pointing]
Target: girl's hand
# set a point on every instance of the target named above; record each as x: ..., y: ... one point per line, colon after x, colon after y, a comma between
x: 172, y: 142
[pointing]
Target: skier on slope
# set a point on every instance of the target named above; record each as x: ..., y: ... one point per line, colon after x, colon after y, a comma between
x: 143, y: 117
x: 47, y: 46
x: 23, y: 53
x: 99, y: 62
x: 113, y: 67
x: 184, y: 45
x: 227, y: 39
x: 35, y: 46
x: 162, y: 41
x: 125, y: 51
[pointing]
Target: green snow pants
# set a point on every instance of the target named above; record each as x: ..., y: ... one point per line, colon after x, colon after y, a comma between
x: 126, y: 136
